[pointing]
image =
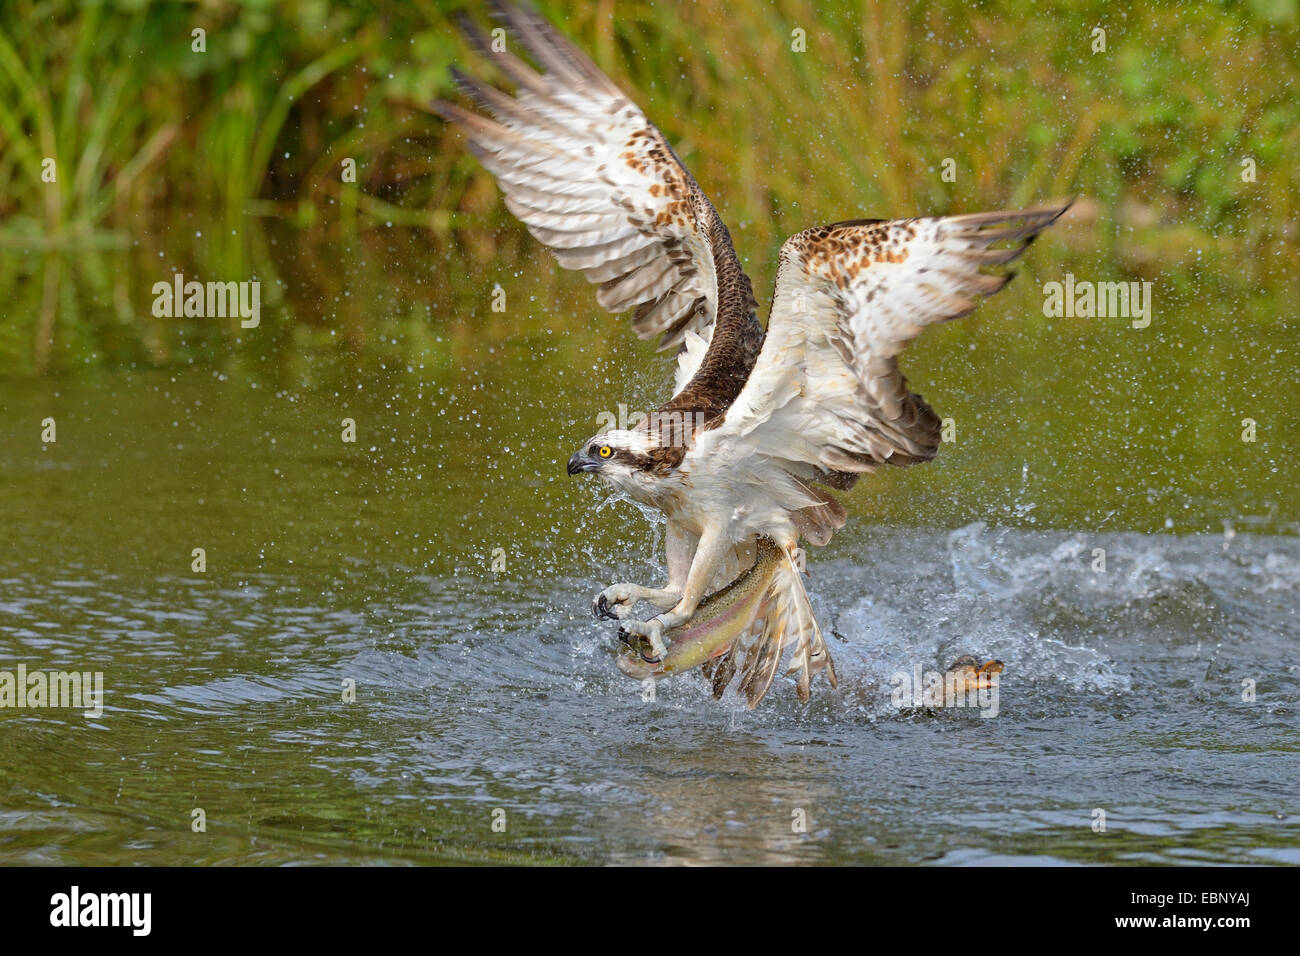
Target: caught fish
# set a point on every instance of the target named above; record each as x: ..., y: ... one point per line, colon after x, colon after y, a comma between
x: 721, y: 618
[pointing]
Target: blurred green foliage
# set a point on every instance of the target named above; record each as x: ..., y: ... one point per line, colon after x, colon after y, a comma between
x: 172, y: 156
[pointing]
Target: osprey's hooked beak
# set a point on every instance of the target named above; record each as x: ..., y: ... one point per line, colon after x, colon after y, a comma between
x: 581, y: 462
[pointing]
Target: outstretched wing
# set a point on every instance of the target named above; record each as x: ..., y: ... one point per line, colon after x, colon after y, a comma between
x: 826, y: 399
x: 596, y: 182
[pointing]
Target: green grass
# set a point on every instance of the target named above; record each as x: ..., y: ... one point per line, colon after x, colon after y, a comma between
x: 159, y: 148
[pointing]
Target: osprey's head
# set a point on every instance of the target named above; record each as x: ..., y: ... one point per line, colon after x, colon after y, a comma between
x: 618, y: 456
x: 612, y: 454
x: 634, y: 463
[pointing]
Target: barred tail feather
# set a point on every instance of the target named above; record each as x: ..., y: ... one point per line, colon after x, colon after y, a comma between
x: 789, y: 620
x: 724, y: 671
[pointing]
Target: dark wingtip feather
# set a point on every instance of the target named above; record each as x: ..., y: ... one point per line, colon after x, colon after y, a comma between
x: 472, y: 32
x: 444, y: 109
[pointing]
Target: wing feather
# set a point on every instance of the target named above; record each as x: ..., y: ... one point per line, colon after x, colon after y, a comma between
x: 597, y: 183
x: 826, y: 399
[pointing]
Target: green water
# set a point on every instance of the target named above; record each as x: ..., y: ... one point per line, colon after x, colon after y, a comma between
x: 480, y: 689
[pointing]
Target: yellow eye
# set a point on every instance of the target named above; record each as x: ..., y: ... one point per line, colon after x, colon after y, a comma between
x: 605, y: 451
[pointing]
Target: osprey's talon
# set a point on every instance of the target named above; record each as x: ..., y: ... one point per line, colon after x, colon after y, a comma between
x: 614, y: 603
x: 645, y: 638
x: 608, y: 607
x: 640, y: 647
x: 601, y: 610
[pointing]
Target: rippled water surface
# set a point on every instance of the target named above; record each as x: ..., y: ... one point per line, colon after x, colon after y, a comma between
x: 443, y: 566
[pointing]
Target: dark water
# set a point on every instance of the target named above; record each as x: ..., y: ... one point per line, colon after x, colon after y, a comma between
x: 479, y: 691
x: 485, y: 695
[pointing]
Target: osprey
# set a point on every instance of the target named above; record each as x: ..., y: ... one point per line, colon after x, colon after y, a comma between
x: 762, y: 426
